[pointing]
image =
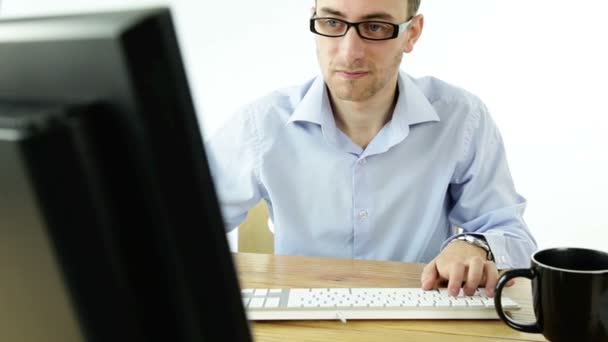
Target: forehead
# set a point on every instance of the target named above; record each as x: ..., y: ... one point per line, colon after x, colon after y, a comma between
x: 364, y: 9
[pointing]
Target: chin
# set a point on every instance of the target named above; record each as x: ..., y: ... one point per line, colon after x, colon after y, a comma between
x: 350, y: 90
x: 355, y: 96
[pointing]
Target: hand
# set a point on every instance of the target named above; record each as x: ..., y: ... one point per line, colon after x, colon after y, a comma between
x: 461, y: 263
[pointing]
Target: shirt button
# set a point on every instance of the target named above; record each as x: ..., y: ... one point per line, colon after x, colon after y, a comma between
x: 362, y: 160
x: 363, y: 214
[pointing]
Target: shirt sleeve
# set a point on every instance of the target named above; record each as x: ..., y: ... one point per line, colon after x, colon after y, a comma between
x: 233, y: 162
x: 485, y: 202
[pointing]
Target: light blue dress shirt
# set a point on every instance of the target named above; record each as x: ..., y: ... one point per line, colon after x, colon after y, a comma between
x: 439, y: 163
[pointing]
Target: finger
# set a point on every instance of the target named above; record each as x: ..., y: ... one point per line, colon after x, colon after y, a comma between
x: 474, y: 275
x: 491, y: 278
x: 429, y: 276
x: 455, y: 277
x: 510, y: 282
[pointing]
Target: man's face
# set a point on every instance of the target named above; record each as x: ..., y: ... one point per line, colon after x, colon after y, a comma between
x: 356, y: 69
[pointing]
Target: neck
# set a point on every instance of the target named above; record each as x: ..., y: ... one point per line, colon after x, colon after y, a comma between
x: 362, y: 120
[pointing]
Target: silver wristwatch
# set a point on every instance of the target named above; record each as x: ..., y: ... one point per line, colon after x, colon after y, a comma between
x: 479, y: 242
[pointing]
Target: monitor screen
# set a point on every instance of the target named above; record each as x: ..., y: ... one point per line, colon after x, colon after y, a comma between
x: 110, y: 229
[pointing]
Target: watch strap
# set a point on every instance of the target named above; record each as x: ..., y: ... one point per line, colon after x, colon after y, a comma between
x: 478, y: 242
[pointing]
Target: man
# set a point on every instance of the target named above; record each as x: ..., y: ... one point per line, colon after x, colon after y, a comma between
x: 367, y: 162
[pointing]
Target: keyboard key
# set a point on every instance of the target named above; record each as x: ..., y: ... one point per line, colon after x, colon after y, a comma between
x: 459, y: 304
x: 261, y: 292
x: 443, y: 302
x: 272, y: 302
x: 475, y: 303
x: 426, y: 303
x: 256, y: 303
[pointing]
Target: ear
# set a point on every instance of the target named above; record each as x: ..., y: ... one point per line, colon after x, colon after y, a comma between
x: 413, y: 33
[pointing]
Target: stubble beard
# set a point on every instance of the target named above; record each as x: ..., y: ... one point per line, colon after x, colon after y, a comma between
x: 361, y: 89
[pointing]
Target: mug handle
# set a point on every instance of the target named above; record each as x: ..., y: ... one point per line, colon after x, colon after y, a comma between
x: 502, y: 281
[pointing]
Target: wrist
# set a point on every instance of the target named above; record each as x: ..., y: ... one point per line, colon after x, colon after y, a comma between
x: 478, y: 242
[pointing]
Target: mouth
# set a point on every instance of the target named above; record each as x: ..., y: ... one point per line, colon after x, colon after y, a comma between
x: 352, y: 74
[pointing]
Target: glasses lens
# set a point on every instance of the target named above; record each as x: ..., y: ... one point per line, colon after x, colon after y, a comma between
x: 330, y: 26
x: 376, y: 30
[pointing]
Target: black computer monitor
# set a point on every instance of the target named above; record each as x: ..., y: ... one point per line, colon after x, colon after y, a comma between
x: 109, y: 222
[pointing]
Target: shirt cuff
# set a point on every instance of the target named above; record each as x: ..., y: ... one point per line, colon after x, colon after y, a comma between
x: 508, y: 252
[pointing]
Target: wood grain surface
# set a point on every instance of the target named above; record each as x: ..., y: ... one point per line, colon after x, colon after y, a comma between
x: 278, y: 271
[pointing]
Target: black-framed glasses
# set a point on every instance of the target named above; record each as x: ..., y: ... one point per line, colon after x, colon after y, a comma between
x: 371, y: 30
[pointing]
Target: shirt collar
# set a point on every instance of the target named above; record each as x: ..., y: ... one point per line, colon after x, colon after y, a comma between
x: 315, y: 106
x: 412, y: 105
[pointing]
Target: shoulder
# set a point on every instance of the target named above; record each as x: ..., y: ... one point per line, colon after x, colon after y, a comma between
x: 277, y: 106
x: 257, y: 123
x: 443, y: 95
x: 458, y: 109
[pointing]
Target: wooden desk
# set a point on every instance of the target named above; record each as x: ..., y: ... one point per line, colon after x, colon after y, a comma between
x: 273, y: 271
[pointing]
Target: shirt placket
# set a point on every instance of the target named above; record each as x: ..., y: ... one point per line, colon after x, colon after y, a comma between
x: 362, y: 210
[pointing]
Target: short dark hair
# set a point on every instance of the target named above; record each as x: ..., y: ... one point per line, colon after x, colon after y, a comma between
x: 412, y: 7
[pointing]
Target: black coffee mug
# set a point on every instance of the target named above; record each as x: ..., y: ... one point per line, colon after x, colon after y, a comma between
x: 570, y: 294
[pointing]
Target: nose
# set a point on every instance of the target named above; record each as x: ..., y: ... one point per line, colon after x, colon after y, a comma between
x: 352, y: 46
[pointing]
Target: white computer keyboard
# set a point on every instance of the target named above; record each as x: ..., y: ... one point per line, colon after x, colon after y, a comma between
x: 368, y: 303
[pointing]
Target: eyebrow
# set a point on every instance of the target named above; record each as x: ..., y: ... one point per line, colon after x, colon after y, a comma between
x: 375, y: 15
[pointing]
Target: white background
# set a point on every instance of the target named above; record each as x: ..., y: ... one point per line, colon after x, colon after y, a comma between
x: 540, y: 66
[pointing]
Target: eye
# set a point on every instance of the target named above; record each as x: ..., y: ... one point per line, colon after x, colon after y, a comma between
x: 332, y: 23
x: 377, y: 30
x: 374, y: 27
